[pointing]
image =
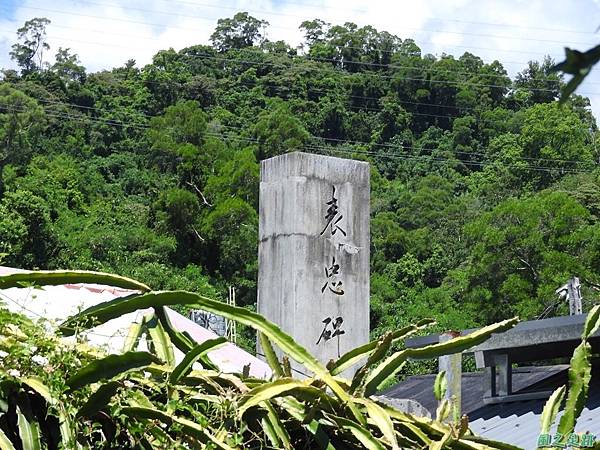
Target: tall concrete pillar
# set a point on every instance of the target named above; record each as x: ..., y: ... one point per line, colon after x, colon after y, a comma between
x: 313, y: 254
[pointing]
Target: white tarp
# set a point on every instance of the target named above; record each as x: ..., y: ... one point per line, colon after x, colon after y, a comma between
x: 53, y: 304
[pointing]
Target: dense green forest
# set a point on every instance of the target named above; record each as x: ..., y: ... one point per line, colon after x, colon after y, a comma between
x: 485, y: 192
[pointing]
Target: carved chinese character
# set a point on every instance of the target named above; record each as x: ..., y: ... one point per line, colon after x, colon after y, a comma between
x: 333, y: 216
x: 336, y: 330
x: 331, y: 273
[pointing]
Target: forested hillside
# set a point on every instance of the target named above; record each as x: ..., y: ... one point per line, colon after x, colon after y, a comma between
x: 485, y: 193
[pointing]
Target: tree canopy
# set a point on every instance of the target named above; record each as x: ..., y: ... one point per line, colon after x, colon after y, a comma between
x: 484, y: 190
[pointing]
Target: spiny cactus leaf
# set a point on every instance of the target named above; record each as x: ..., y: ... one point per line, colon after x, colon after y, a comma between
x: 185, y: 366
x: 103, y: 312
x: 440, y: 385
x: 355, y: 355
x: 551, y: 409
x: 580, y: 373
x: 5, y: 443
x: 461, y: 343
x: 382, y: 419
x: 284, y: 341
x: 280, y: 433
x: 29, y: 432
x: 60, y: 277
x: 592, y: 322
x: 273, y: 389
x: 99, y: 399
x: 110, y: 367
x: 198, y: 431
x: 182, y: 341
x: 361, y: 433
x: 270, y: 355
x: 133, y: 335
x: 160, y: 341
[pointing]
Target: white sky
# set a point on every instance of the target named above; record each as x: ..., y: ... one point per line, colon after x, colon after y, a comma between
x: 106, y: 33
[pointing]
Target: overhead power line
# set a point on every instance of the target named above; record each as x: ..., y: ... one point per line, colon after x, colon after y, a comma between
x: 116, y: 19
x: 120, y: 123
x: 344, y: 142
x: 383, y: 51
x: 379, y: 75
x: 318, y: 138
x: 324, y: 7
x: 417, y: 30
x: 399, y: 77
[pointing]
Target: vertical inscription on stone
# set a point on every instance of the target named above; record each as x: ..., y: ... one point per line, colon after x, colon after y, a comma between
x: 333, y: 283
x: 314, y: 251
x: 333, y: 217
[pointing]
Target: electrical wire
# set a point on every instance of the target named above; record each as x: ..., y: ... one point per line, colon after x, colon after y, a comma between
x: 398, y: 51
x: 114, y: 122
x: 512, y: 50
x: 213, y: 19
x: 449, y: 82
x: 371, y: 153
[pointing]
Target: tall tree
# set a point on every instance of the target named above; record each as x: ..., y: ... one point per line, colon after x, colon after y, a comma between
x: 29, y: 52
x: 241, y: 31
x: 67, y: 66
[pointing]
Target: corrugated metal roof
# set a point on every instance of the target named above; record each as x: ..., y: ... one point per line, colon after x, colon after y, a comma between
x: 516, y: 423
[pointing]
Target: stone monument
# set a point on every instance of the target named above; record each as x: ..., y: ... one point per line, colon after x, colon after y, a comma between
x: 313, y: 252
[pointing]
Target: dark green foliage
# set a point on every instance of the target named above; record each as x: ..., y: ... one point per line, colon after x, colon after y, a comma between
x: 241, y: 31
x: 484, y: 191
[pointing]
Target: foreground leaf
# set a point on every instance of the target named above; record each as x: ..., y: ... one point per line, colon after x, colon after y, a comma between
x: 38, y: 386
x: 440, y: 386
x: 185, y: 366
x: 268, y: 391
x: 29, y: 432
x: 270, y: 355
x: 394, y: 362
x: 160, y: 341
x: 579, y: 64
x: 5, y: 443
x: 187, y: 426
x: 99, y: 399
x: 60, y: 277
x: 281, y: 435
x: 592, y: 322
x: 352, y: 357
x: 67, y: 431
x: 551, y: 409
x: 488, y: 444
x: 133, y: 335
x: 462, y: 343
x: 383, y: 420
x: 383, y: 345
x: 284, y: 341
x: 580, y: 373
x: 103, y: 312
x: 110, y: 367
x: 182, y: 341
x: 363, y: 435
